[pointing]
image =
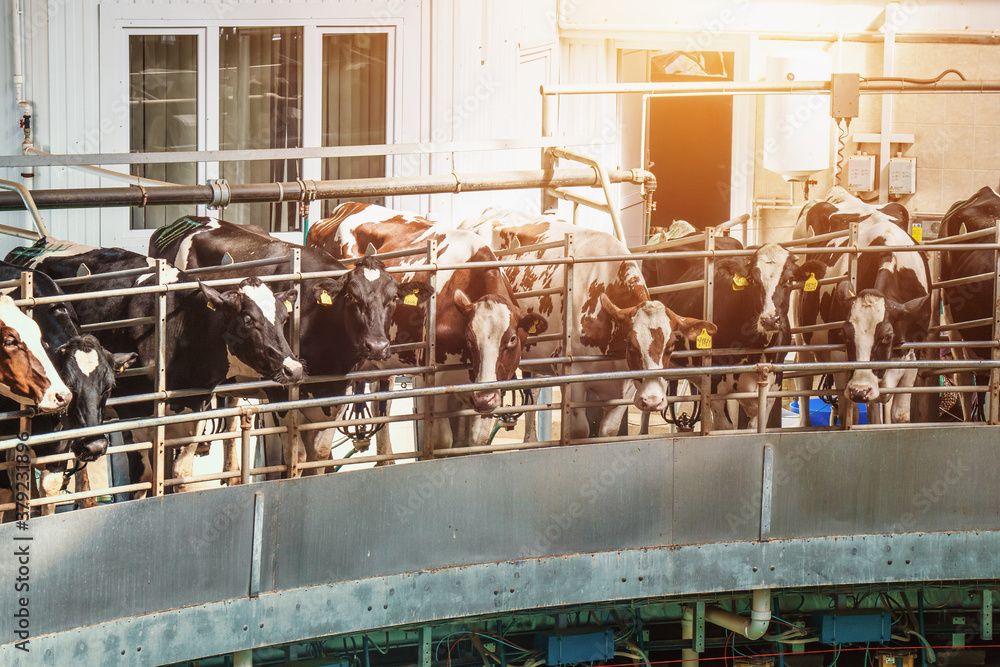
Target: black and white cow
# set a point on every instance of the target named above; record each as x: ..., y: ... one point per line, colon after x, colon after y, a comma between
x: 891, y: 306
x: 344, y: 320
x: 839, y: 209
x: 750, y: 308
x: 87, y: 368
x: 210, y: 334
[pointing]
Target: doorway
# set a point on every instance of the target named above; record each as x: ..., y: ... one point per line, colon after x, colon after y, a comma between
x: 691, y: 140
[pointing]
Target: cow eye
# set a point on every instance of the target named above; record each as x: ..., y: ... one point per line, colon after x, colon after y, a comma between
x: 10, y: 341
x: 247, y: 320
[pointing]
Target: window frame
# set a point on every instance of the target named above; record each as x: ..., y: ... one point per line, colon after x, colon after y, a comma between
x: 402, y: 22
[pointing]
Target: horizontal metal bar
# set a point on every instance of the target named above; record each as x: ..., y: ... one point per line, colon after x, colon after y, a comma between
x: 246, y: 193
x: 116, y: 324
x: 766, y: 87
x: 978, y: 278
x: 412, y: 148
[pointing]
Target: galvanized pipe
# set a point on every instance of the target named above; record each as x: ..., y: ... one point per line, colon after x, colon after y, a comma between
x: 246, y: 193
x: 766, y: 87
x: 28, y: 202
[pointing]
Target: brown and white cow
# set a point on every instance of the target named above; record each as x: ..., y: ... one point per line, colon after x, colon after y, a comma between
x: 611, y: 313
x: 478, y: 319
x: 26, y: 372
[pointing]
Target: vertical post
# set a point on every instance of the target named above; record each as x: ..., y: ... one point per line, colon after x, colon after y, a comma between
x: 425, y: 656
x: 846, y: 408
x: 246, y: 452
x: 689, y: 657
x: 888, y: 69
x: 243, y: 658
x: 566, y: 389
x: 157, y: 454
x: 708, y: 304
x: 995, y: 352
x: 986, y: 622
x: 27, y: 291
x: 431, y: 359
x: 292, y: 424
x: 550, y: 125
x: 762, y: 413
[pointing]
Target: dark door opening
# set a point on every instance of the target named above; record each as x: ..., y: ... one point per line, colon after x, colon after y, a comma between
x: 691, y: 141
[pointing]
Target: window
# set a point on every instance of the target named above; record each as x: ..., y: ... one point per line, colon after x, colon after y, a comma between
x: 354, y: 104
x: 258, y: 103
x: 163, y: 112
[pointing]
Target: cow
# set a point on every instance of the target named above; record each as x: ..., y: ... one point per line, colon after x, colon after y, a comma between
x: 87, y: 368
x: 838, y: 210
x: 750, y: 308
x: 210, y: 334
x: 478, y: 319
x: 611, y: 313
x: 889, y: 306
x: 344, y: 320
x: 973, y: 301
x: 27, y: 375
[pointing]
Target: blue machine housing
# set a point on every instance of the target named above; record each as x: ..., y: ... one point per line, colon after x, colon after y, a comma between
x: 566, y: 647
x: 851, y: 628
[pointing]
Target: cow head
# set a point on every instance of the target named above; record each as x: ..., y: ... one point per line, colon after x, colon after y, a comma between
x: 650, y: 331
x: 89, y: 371
x: 363, y: 301
x: 495, y: 332
x: 874, y: 326
x: 767, y: 278
x: 254, y: 320
x: 26, y: 372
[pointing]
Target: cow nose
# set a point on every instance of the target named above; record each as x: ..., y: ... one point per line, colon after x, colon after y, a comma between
x: 63, y: 398
x: 91, y: 450
x: 292, y: 370
x: 651, y: 403
x: 858, y: 394
x: 769, y: 323
x: 485, y: 401
x: 377, y: 350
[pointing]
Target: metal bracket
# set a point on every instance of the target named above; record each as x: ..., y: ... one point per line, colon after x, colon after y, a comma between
x: 699, y: 627
x: 145, y: 195
x: 258, y: 538
x: 222, y: 194
x: 986, y: 623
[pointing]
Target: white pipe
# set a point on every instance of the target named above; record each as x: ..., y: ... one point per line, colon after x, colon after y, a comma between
x: 689, y: 657
x: 100, y: 171
x: 16, y: 29
x: 751, y: 628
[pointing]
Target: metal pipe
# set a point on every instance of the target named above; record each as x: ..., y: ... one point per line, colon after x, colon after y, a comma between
x: 751, y: 628
x: 689, y: 657
x: 104, y: 173
x: 347, y: 189
x: 767, y: 87
x: 29, y: 204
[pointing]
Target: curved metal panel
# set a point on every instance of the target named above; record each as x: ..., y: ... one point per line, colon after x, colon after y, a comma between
x: 501, y: 532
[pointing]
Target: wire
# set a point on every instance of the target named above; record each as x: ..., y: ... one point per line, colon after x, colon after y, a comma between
x: 911, y: 80
x: 842, y: 146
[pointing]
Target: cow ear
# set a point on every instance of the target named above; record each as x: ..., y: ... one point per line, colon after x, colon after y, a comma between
x: 287, y: 298
x: 325, y: 291
x: 123, y: 360
x: 231, y: 298
x: 415, y: 292
x: 462, y: 301
x: 843, y: 297
x: 690, y: 327
x: 82, y: 271
x: 916, y: 315
x: 532, y: 323
x: 811, y: 267
x: 728, y: 268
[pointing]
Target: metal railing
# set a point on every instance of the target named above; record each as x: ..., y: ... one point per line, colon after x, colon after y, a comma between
x: 159, y: 446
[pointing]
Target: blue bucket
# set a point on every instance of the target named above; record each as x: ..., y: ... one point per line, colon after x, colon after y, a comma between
x: 819, y: 412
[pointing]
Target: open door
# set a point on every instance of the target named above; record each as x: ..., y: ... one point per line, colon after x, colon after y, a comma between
x: 690, y: 140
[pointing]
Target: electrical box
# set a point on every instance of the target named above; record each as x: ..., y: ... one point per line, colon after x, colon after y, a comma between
x: 853, y: 628
x: 861, y: 173
x: 564, y: 647
x: 844, y: 95
x: 902, y: 175
x: 895, y: 658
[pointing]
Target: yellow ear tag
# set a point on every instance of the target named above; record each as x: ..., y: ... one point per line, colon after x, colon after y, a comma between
x: 411, y: 298
x: 211, y: 306
x: 739, y: 282
x: 324, y: 298
x: 533, y: 328
x: 917, y: 232
x: 851, y: 293
x: 288, y: 307
x: 811, y: 283
x: 704, y: 339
